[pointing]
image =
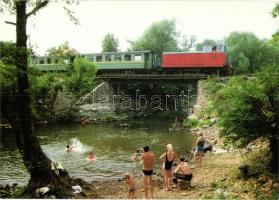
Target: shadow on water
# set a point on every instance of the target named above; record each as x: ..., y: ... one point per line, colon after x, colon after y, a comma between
x: 113, y: 146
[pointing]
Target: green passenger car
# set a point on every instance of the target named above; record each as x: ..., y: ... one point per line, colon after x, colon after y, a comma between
x: 50, y: 64
x: 132, y: 60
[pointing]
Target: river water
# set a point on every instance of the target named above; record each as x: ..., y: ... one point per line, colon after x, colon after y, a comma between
x: 113, y: 146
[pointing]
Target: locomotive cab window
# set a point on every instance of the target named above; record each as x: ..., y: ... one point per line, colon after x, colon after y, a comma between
x: 48, y: 61
x: 221, y: 48
x: 42, y: 61
x: 127, y: 57
x: 214, y: 48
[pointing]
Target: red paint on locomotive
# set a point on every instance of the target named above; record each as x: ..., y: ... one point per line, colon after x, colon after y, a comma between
x: 194, y: 60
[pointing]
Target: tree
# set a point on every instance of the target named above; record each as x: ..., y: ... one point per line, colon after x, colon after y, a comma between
x: 249, y: 53
x: 206, y: 42
x: 110, y: 43
x: 62, y: 51
x: 249, y: 108
x: 159, y: 37
x: 275, y: 13
x: 35, y: 160
x: 81, y: 79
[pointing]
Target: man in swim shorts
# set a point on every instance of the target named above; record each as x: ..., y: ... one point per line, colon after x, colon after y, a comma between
x: 148, y: 161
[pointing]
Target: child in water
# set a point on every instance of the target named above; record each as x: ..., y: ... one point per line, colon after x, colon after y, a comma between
x: 69, y: 148
x: 130, y: 180
x: 136, y: 156
x: 91, y: 156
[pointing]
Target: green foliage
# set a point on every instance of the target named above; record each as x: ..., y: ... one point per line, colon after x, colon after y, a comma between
x: 275, y: 11
x: 159, y: 37
x: 191, y: 123
x: 8, y: 52
x: 110, y: 43
x: 63, y: 51
x: 249, y: 53
x: 206, y: 42
x: 248, y: 107
x: 44, y: 90
x: 275, y: 36
x: 82, y: 77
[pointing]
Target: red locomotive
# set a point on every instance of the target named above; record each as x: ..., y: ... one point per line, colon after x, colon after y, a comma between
x: 210, y: 60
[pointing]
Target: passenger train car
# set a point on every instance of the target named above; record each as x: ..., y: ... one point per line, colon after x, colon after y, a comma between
x: 212, y: 60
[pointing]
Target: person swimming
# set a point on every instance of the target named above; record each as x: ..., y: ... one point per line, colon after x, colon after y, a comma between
x: 69, y: 148
x: 137, y: 156
x: 91, y: 156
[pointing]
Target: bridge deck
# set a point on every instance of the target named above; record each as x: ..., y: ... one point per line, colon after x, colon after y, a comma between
x: 153, y: 76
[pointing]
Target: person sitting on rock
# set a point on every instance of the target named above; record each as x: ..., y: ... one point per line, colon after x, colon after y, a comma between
x: 182, y: 171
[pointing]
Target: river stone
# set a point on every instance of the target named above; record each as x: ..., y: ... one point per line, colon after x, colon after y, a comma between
x: 276, y: 186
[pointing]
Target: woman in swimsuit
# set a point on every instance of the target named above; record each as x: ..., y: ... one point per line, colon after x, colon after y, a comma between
x: 199, y: 150
x: 168, y: 157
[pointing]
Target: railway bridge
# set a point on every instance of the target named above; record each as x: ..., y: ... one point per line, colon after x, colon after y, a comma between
x: 146, y: 77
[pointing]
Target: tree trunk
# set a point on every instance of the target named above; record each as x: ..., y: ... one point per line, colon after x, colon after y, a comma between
x: 36, y: 162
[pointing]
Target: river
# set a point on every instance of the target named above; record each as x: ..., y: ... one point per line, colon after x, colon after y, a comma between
x: 113, y: 146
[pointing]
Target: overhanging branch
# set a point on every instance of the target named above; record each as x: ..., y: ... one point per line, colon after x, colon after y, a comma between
x: 39, y: 5
x: 12, y: 23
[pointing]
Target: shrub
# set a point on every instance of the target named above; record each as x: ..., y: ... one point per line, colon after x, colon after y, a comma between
x: 191, y: 123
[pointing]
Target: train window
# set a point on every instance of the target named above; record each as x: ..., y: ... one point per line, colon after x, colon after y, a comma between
x: 108, y: 58
x: 42, y: 61
x: 56, y: 61
x: 98, y: 58
x: 137, y: 57
x: 117, y: 57
x: 48, y: 61
x: 127, y: 57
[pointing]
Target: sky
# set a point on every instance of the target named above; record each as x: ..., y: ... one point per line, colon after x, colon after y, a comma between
x: 128, y: 19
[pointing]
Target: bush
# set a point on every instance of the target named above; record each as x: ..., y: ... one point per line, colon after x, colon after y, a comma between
x: 191, y: 123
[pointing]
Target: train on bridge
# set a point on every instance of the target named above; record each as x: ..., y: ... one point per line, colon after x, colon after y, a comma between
x: 212, y: 60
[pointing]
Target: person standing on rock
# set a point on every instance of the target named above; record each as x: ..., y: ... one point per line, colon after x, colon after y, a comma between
x: 199, y: 150
x: 148, y: 161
